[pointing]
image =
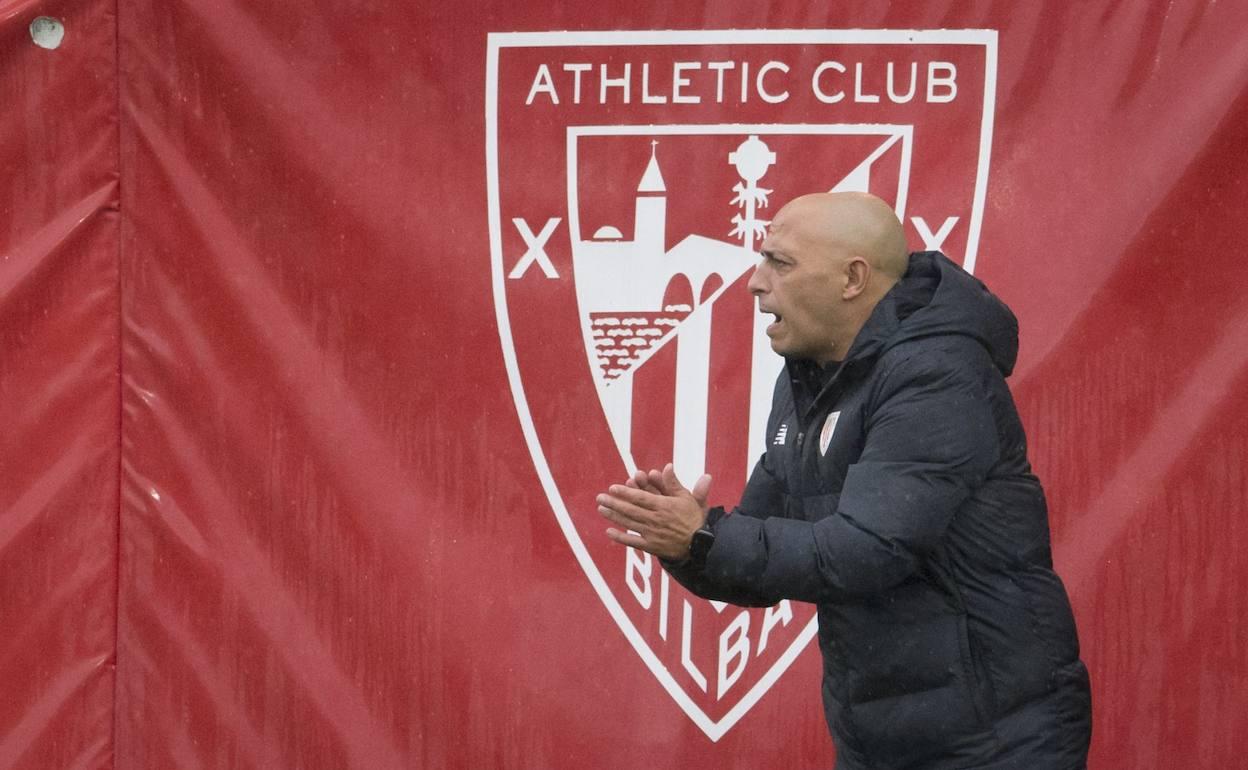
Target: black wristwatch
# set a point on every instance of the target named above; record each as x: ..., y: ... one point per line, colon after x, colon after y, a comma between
x: 700, y: 546
x: 704, y: 538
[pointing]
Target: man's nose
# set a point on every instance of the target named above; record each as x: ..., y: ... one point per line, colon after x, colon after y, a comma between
x: 755, y: 284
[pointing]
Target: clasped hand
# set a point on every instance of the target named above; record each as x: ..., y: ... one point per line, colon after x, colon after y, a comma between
x: 661, y: 514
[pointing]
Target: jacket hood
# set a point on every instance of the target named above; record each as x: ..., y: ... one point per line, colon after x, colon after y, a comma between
x: 937, y: 297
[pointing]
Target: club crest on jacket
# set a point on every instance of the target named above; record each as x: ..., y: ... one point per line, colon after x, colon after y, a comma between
x: 825, y: 435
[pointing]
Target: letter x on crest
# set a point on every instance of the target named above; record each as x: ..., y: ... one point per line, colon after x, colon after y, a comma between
x: 536, y: 244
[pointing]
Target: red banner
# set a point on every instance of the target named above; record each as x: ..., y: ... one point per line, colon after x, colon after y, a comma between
x: 321, y: 327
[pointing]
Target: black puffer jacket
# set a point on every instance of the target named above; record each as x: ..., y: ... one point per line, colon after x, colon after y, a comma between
x: 896, y: 495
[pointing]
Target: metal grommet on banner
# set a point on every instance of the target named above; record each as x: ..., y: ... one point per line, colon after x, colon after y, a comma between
x: 47, y: 32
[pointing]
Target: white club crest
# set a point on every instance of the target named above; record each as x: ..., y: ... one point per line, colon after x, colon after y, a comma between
x: 825, y: 435
x: 631, y: 177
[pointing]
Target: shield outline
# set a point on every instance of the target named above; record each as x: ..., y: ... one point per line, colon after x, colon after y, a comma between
x: 499, y: 40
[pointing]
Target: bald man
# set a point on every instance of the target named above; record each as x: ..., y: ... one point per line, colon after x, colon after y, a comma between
x: 895, y: 494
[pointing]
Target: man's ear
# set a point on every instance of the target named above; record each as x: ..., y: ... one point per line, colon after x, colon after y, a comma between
x: 857, y: 273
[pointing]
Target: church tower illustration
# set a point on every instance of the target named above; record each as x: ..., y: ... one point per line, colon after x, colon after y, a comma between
x: 650, y: 212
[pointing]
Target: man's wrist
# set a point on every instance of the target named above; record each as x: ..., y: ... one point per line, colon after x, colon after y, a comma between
x: 713, y: 516
x: 703, y: 539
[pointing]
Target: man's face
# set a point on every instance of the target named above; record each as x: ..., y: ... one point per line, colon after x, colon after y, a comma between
x: 800, y: 281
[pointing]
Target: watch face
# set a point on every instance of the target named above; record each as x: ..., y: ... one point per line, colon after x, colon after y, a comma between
x: 702, y: 541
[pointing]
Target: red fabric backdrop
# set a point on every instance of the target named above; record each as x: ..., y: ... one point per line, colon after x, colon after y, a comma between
x: 265, y: 496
